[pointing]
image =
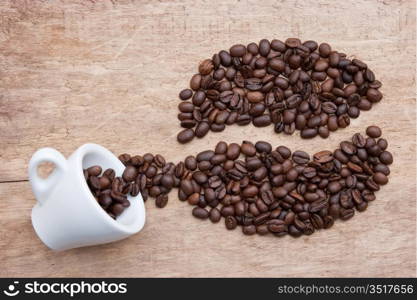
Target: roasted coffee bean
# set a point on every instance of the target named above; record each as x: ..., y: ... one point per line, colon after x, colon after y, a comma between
x: 105, y: 182
x: 248, y: 149
x: 386, y: 158
x: 105, y: 200
x: 249, y: 229
x: 186, y: 94
x: 233, y: 151
x: 135, y: 190
x: 130, y: 173
x: 116, y: 209
x: 94, y: 182
x: 380, y: 178
x: 214, y: 215
x: 230, y: 222
x: 161, y: 201
x: 373, y: 131
x: 200, y: 213
x: 263, y: 147
x: 94, y: 170
x: 110, y: 174
x: 187, y: 135
x: 300, y: 157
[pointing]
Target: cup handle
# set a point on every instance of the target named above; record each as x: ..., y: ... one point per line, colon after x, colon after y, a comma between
x: 41, y: 187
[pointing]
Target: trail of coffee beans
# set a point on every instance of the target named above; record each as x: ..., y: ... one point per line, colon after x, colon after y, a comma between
x: 292, y: 85
x: 255, y: 186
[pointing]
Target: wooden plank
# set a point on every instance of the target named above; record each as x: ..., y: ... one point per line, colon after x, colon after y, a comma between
x: 378, y: 242
x: 109, y: 73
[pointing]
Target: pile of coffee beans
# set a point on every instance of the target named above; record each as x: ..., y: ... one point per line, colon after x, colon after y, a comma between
x: 151, y: 175
x: 273, y: 190
x: 261, y: 188
x: 265, y: 190
x: 147, y: 174
x: 109, y: 191
x: 291, y: 85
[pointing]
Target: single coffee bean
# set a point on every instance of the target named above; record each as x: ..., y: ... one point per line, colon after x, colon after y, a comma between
x: 230, y: 222
x: 263, y: 147
x: 386, y: 157
x: 380, y: 178
x: 373, y: 131
x: 129, y: 174
x: 186, y: 94
x: 186, y: 135
x: 200, y: 131
x: 200, y: 213
x: 214, y: 215
x: 205, y: 67
x: 300, y: 157
x: 237, y: 50
x: 161, y: 200
x: 116, y: 209
x: 94, y: 171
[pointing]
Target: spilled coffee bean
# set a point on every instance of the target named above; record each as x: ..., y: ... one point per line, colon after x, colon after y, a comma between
x: 255, y: 186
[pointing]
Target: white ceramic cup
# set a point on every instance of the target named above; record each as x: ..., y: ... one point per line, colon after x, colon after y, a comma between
x: 66, y: 214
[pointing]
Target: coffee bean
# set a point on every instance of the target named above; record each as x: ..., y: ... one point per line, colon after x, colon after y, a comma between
x: 230, y: 222
x: 186, y: 187
x: 187, y: 135
x: 373, y: 131
x: 249, y: 229
x: 300, y: 157
x: 205, y: 67
x: 110, y: 174
x: 386, y: 157
x: 346, y: 214
x: 233, y: 151
x: 116, y: 210
x: 105, y: 182
x: 247, y: 148
x: 135, y: 189
x: 334, y: 187
x: 94, y: 170
x: 200, y: 213
x: 200, y: 131
x: 161, y: 200
x: 129, y: 174
x: 214, y: 215
x: 380, y: 178
x: 105, y: 200
x: 237, y: 50
x: 195, y: 82
x: 186, y: 94
x: 262, y: 121
x: 94, y: 182
x: 263, y: 147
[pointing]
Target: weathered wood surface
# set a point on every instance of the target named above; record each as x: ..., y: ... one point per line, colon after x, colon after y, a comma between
x: 109, y: 72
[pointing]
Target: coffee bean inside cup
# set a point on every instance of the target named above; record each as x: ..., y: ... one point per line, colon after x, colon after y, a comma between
x: 109, y: 191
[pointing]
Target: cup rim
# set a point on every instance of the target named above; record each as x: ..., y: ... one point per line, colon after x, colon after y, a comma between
x: 81, y: 152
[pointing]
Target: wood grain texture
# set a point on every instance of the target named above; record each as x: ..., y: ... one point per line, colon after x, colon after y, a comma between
x: 109, y: 72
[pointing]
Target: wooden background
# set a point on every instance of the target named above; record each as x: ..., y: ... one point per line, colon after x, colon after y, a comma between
x: 109, y: 72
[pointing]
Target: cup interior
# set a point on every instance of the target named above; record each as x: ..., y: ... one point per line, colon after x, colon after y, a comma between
x: 91, y: 155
